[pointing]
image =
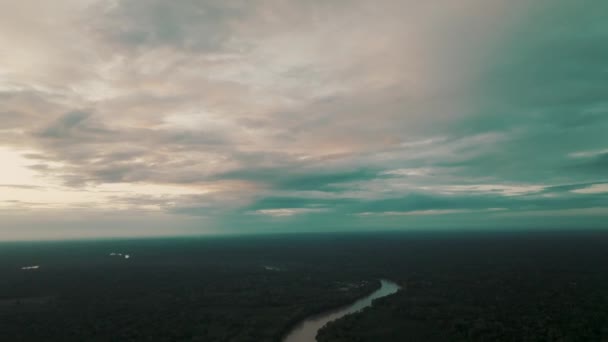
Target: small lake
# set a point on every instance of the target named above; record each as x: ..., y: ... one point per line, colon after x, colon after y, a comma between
x: 306, y: 331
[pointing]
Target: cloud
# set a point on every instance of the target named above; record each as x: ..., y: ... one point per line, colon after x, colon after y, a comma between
x: 430, y: 212
x: 287, y: 212
x: 593, y: 189
x: 64, y: 126
x: 237, y: 113
x: 413, y: 172
x: 185, y: 24
x: 588, y: 154
x: 297, y: 178
x: 20, y: 186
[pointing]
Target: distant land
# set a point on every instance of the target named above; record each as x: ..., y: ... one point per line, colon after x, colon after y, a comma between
x: 456, y: 287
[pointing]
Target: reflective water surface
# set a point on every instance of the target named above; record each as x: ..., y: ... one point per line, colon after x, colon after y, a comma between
x: 307, y: 330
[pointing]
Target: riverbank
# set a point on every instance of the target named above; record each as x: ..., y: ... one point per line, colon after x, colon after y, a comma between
x: 307, y: 330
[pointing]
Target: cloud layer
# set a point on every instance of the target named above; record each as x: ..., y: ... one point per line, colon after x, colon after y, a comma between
x: 190, y: 117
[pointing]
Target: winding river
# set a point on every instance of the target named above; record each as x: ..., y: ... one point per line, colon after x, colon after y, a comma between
x: 306, y: 331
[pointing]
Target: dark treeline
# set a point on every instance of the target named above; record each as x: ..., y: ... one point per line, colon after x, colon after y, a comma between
x: 468, y: 287
x: 501, y: 287
x: 217, y: 289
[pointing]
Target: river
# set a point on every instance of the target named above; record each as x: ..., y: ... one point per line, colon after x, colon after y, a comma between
x: 306, y: 331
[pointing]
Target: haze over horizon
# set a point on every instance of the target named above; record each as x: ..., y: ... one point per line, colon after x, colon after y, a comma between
x: 150, y: 117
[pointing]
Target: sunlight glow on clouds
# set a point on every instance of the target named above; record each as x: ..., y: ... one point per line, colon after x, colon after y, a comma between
x: 15, y: 169
x: 283, y: 212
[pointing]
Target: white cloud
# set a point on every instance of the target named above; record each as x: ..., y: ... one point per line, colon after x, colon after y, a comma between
x: 430, y: 212
x: 587, y: 154
x: 569, y: 212
x: 593, y: 189
x: 502, y: 189
x: 413, y: 172
x: 286, y: 212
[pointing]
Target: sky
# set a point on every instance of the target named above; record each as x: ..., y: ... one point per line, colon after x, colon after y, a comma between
x: 192, y: 117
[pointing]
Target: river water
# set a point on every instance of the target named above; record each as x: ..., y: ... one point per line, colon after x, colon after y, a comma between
x: 306, y: 331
